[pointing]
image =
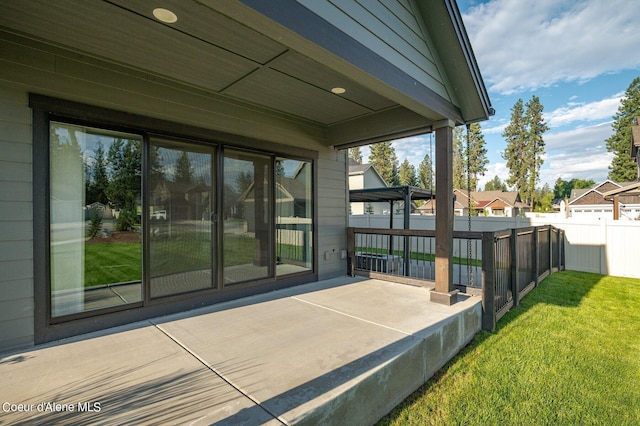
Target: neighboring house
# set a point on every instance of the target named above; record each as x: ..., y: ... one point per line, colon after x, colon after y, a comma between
x: 592, y: 203
x: 219, y: 95
x: 483, y: 203
x: 365, y: 176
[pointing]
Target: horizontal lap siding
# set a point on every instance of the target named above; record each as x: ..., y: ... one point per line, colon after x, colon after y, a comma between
x: 391, y: 29
x: 332, y: 214
x: 28, y: 67
x: 16, y: 225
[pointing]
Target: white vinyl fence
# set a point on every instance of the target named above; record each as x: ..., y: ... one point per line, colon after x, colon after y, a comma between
x: 604, y: 246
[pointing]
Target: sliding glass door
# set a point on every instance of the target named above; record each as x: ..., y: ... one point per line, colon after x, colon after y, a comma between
x: 181, y: 217
x: 94, y: 218
x: 248, y: 217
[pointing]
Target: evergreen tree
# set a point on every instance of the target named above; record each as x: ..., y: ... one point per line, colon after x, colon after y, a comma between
x: 125, y: 170
x: 99, y: 183
x: 183, y: 170
x: 383, y: 158
x: 495, y: 184
x: 407, y: 174
x: 355, y: 154
x: 425, y: 173
x: 475, y: 155
x: 525, y: 146
x: 623, y: 168
x: 561, y: 189
x: 536, y: 127
x: 459, y: 164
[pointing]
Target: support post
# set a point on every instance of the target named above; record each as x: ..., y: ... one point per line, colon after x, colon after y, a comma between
x: 616, y: 207
x: 444, y: 292
x: 515, y: 277
x: 407, y: 239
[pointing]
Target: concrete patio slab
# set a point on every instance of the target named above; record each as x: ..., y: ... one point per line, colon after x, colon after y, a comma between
x: 341, y: 351
x: 130, y: 375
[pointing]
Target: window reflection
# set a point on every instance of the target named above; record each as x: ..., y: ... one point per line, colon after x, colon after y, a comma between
x: 294, y: 212
x: 95, y: 196
x: 248, y: 223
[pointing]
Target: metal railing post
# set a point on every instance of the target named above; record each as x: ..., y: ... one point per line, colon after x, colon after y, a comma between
x: 515, y: 281
x: 488, y: 281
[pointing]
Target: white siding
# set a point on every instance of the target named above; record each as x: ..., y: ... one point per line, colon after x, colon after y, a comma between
x: 16, y: 226
x: 391, y: 29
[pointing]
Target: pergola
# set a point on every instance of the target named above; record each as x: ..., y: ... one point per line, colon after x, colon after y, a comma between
x: 391, y: 194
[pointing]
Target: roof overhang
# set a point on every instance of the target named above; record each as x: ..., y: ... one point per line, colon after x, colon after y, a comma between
x: 633, y: 189
x: 271, y: 55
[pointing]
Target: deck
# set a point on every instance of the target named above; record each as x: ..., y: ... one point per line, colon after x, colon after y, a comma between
x: 341, y: 351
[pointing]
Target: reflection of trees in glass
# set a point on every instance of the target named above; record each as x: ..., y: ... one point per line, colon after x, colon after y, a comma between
x: 244, y: 181
x: 125, y: 160
x: 97, y: 178
x: 183, y: 170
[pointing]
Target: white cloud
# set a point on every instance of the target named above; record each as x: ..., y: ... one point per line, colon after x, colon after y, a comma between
x: 587, y: 164
x: 525, y: 45
x: 579, y: 139
x: 598, y: 110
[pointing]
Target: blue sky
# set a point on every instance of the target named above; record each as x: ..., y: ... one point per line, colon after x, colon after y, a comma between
x: 578, y: 57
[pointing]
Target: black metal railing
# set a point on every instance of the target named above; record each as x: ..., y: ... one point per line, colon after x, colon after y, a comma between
x: 503, y: 266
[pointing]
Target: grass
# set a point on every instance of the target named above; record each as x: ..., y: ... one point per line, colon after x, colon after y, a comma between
x: 570, y: 354
x: 430, y: 257
x: 121, y: 262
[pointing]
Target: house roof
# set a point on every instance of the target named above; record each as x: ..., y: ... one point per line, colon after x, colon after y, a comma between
x: 480, y: 199
x: 358, y: 169
x: 628, y: 189
x: 598, y: 189
x: 281, y: 57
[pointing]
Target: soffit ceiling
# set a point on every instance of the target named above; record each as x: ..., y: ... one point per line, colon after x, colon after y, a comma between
x: 203, y: 49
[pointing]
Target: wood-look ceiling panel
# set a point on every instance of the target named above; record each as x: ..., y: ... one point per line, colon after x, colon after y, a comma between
x: 208, y: 25
x: 318, y: 75
x: 108, y: 31
x: 290, y: 95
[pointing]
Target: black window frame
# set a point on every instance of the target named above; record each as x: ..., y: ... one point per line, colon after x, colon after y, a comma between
x: 46, y: 109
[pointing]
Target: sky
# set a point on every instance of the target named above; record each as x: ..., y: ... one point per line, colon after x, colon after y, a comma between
x: 577, y: 56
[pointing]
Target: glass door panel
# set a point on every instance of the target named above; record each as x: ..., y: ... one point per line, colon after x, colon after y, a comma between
x: 248, y: 217
x: 181, y: 206
x: 294, y: 216
x: 95, y: 193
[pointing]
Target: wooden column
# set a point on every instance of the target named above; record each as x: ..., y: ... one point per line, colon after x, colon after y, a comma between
x: 444, y: 292
x: 616, y: 207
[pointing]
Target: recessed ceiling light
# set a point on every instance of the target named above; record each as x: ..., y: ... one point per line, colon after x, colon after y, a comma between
x: 165, y: 15
x: 338, y: 90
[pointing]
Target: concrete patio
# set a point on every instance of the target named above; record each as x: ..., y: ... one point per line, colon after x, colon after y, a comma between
x: 341, y: 351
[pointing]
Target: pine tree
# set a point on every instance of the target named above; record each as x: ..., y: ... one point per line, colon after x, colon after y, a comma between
x: 183, y: 170
x: 475, y: 155
x: 383, y: 158
x: 623, y: 168
x: 517, y: 151
x: 425, y: 173
x: 536, y: 127
x: 407, y: 174
x: 355, y: 154
x: 495, y: 184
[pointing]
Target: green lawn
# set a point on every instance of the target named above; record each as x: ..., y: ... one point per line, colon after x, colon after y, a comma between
x: 121, y: 262
x: 569, y: 355
x: 430, y: 257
